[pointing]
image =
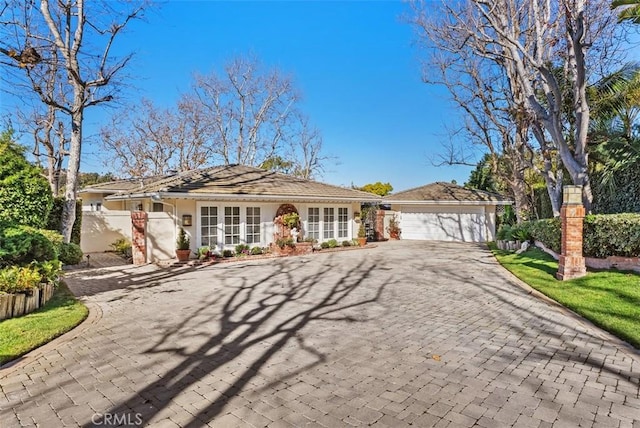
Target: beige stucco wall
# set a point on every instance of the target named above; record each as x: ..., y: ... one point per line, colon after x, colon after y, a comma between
x: 104, y: 227
x: 161, y: 236
x: 101, y: 228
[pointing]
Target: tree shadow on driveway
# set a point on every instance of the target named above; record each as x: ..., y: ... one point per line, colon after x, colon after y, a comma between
x: 255, y: 318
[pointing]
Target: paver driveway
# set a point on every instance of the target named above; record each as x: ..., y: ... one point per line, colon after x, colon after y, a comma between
x: 428, y: 334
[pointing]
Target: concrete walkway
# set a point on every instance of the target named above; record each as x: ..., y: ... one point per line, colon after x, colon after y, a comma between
x: 408, y: 333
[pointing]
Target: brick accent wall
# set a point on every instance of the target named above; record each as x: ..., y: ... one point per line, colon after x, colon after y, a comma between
x: 138, y: 238
x: 379, y: 226
x: 571, y: 261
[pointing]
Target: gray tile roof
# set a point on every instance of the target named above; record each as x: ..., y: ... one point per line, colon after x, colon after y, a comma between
x: 238, y: 180
x: 120, y: 185
x: 444, y: 192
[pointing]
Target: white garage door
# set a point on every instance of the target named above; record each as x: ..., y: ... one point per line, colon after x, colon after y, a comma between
x: 443, y: 223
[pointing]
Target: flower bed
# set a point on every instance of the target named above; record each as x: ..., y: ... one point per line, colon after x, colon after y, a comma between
x: 297, y: 249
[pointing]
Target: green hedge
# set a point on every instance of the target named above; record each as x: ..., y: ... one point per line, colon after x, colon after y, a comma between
x: 21, y: 245
x: 25, y: 195
x: 612, y: 235
x: 604, y: 234
x: 55, y: 219
x: 547, y: 231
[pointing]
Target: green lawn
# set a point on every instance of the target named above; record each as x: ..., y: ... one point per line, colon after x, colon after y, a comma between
x: 609, y: 299
x: 20, y: 335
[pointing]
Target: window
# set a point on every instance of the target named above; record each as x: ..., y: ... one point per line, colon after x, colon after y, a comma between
x: 231, y: 225
x: 313, y: 223
x: 329, y: 218
x: 253, y: 225
x: 209, y: 226
x: 343, y: 223
x: 158, y: 207
x: 98, y: 206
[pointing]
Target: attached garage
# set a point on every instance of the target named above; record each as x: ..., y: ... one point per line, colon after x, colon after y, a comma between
x: 446, y: 212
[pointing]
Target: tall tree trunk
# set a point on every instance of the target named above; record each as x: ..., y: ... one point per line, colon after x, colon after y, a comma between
x: 71, y: 190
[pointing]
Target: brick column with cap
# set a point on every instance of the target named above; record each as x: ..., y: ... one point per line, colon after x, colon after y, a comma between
x: 138, y: 237
x: 571, y: 264
x: 379, y: 229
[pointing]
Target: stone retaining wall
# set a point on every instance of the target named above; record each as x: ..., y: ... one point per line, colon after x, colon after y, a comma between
x: 15, y: 305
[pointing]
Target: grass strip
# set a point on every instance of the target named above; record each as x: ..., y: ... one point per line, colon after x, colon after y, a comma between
x: 609, y: 299
x: 23, y: 334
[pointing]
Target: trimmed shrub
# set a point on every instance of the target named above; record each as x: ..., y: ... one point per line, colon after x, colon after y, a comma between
x: 21, y: 245
x: 70, y: 254
x: 256, y: 251
x: 324, y: 245
x: 346, y: 243
x: 227, y: 253
x: 242, y: 249
x: 332, y: 243
x: 612, y: 235
x: 547, y: 231
x: 55, y: 238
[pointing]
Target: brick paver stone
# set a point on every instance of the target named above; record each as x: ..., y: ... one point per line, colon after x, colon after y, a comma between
x: 406, y: 334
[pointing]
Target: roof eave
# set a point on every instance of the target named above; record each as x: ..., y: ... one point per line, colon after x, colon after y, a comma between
x: 410, y: 202
x: 238, y: 197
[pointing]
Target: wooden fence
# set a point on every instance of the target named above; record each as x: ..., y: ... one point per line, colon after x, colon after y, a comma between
x: 15, y: 305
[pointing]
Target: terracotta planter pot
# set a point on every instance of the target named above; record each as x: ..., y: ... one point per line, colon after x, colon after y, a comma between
x: 362, y: 242
x: 183, y: 255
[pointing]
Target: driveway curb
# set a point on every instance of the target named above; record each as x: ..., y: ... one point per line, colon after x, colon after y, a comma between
x: 95, y: 314
x: 603, y: 334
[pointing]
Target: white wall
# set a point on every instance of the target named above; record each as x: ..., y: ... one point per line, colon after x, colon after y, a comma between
x: 101, y: 228
x: 161, y: 236
x: 465, y: 223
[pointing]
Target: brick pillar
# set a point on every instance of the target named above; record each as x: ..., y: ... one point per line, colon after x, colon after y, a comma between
x: 379, y: 226
x: 571, y: 263
x: 138, y: 234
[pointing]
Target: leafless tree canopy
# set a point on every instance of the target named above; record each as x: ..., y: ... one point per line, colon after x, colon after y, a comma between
x: 245, y: 114
x: 60, y: 52
x: 545, y: 52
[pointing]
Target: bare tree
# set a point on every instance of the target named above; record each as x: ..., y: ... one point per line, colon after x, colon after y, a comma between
x: 45, y: 124
x: 72, y: 29
x: 248, y: 115
x: 531, y: 40
x: 305, y: 151
x: 482, y: 91
x: 144, y: 140
x: 251, y: 110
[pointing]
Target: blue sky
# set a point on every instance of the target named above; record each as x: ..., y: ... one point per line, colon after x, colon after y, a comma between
x: 354, y: 62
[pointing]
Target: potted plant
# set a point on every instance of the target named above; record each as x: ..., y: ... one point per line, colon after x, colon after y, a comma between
x: 291, y: 220
x: 394, y: 228
x: 362, y: 235
x: 183, y: 250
